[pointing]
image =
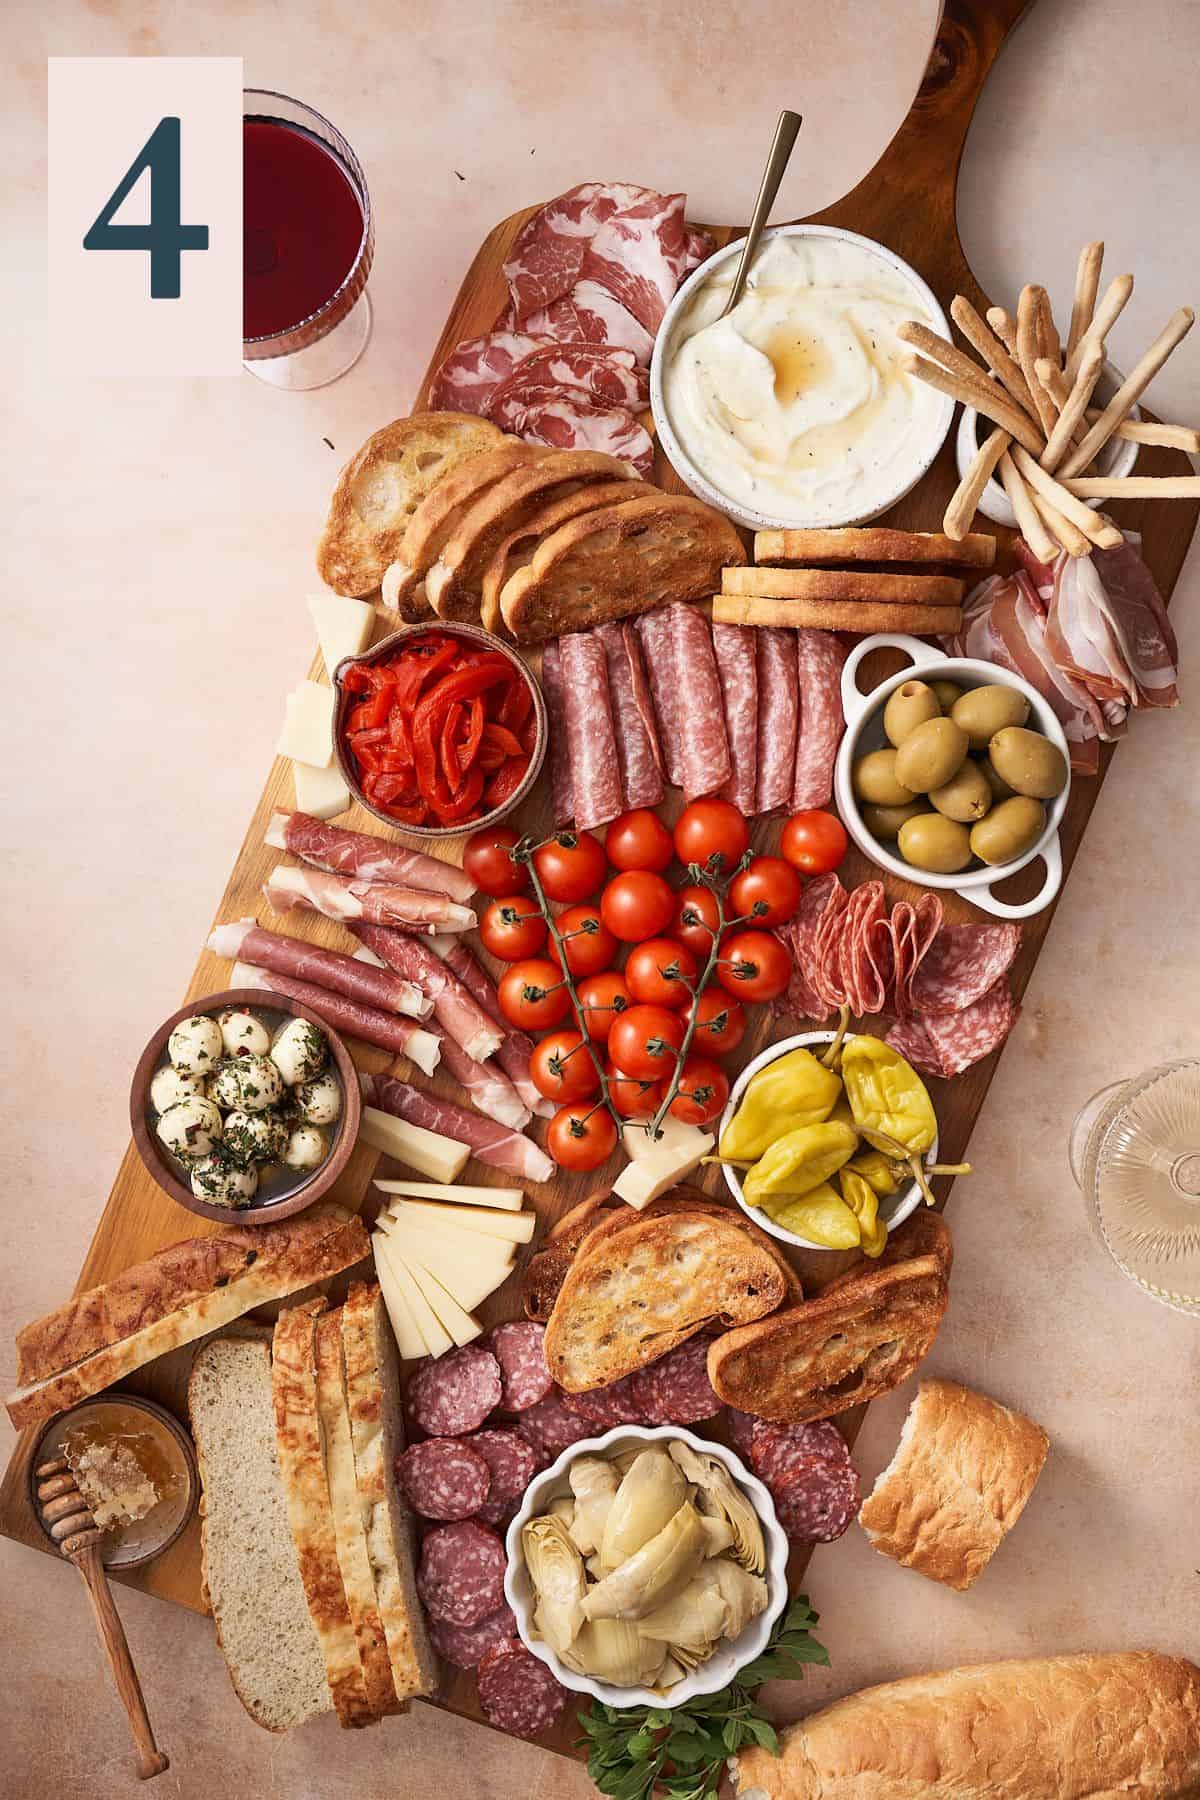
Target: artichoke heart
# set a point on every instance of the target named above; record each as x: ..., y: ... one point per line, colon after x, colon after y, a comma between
x: 655, y: 1573
x: 718, y: 1533
x: 557, y: 1574
x: 745, y: 1596
x: 671, y: 1672
x: 718, y: 1497
x: 693, y: 1622
x: 614, y: 1650
x: 563, y: 1507
x: 650, y: 1494
x: 594, y: 1483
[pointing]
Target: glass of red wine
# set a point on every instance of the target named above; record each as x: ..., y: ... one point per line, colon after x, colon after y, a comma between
x: 307, y: 245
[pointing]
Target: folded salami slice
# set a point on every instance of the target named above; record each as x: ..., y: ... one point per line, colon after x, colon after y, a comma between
x: 456, y: 1011
x: 676, y: 1390
x: 383, y: 988
x: 962, y: 963
x: 591, y: 740
x: 463, y: 1645
x: 451, y: 1395
x: 347, y: 899
x: 517, y: 1347
x: 778, y: 712
x: 513, y: 1463
x: 632, y: 717
x: 491, y: 1143
x: 461, y: 1573
x: 865, y: 908
x: 737, y: 666
x: 518, y: 1693
x: 443, y: 1478
x: 658, y: 648
x: 386, y: 1030
x: 704, y: 748
x: 806, y: 996
x: 948, y: 1043
x: 562, y: 798
x: 820, y: 657
x: 827, y: 960
x: 370, y: 858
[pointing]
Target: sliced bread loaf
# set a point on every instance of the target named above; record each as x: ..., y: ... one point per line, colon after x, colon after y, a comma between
x: 434, y: 520
x: 519, y: 546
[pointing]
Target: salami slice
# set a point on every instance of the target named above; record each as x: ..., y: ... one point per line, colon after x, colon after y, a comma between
x: 818, y: 1501
x: 454, y: 1394
x: 948, y: 1043
x: 741, y: 1430
x: 676, y: 1390
x: 633, y: 719
x: 463, y: 1645
x: 562, y: 798
x: 704, y: 748
x: 914, y: 930
x: 518, y: 1693
x: 658, y: 645
x: 778, y: 713
x: 962, y: 963
x: 806, y: 997
x: 591, y: 741
x: 443, y: 1478
x: 826, y: 968
x: 866, y: 907
x: 776, y: 1451
x: 461, y: 1573
x: 604, y: 1407
x: 737, y: 667
x: 513, y: 1462
x: 819, y: 656
x: 551, y: 1427
x: 525, y: 1379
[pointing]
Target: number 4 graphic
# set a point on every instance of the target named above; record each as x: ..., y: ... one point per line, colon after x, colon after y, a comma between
x: 164, y: 237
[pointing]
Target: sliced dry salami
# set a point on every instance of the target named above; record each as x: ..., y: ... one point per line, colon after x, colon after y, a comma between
x: 818, y: 1500
x: 914, y: 929
x: 826, y: 969
x: 778, y: 713
x: 819, y: 656
x: 777, y: 1450
x: 591, y: 741
x: 704, y: 748
x: 962, y: 963
x: 461, y: 1572
x: 737, y: 667
x: 444, y: 1478
x: 948, y: 1043
x: 551, y: 1426
x: 464, y: 1645
x: 562, y: 797
x: 518, y: 1693
x: 658, y: 646
x: 525, y: 1379
x: 604, y: 1407
x: 741, y: 1430
x: 454, y: 1394
x: 513, y: 1463
x: 676, y: 1390
x: 633, y: 720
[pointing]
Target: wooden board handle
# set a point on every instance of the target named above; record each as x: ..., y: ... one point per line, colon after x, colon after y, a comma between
x: 150, y: 1759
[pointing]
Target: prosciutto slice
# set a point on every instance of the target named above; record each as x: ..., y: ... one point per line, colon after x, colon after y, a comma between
x: 487, y: 1087
x: 589, y: 314
x: 705, y: 764
x: 247, y: 942
x: 737, y: 666
x: 639, y: 255
x: 1082, y: 635
x: 1140, y: 620
x: 591, y: 740
x: 638, y: 755
x: 566, y: 420
x: 548, y: 251
x: 491, y: 1143
x: 514, y: 1053
x: 345, y: 852
x: 474, y: 370
x: 455, y: 1009
x: 347, y: 900
x: 386, y: 1030
x: 778, y: 715
x: 819, y: 660
x: 562, y: 798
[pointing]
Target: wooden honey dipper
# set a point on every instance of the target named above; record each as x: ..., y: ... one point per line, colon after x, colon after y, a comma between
x: 69, y: 1520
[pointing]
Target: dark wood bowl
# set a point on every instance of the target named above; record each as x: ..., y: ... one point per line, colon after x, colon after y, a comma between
x: 473, y: 634
x: 309, y: 1188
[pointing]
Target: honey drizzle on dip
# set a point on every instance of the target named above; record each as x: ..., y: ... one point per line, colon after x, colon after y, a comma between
x: 795, y: 405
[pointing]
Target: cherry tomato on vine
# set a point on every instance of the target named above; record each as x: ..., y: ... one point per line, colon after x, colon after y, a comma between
x: 720, y: 1022
x: 561, y: 1067
x: 703, y: 1091
x: 646, y: 973
x: 639, y: 840
x: 634, y: 1099
x: 754, y: 966
x: 813, y: 842
x: 533, y: 994
x: 571, y: 866
x: 696, y: 920
x: 581, y: 1136
x: 487, y: 861
x: 645, y: 1042
x: 770, y: 883
x: 637, y: 905
x: 603, y: 998
x: 512, y: 928
x: 708, y: 829
x: 590, y: 945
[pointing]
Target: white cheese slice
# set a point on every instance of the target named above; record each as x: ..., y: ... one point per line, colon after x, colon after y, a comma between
x: 321, y: 792
x: 436, y: 1338
x: 510, y: 1199
x: 469, y: 1278
x: 655, y: 1172
x: 483, y: 1252
x: 673, y: 1135
x: 428, y: 1152
x: 307, y: 734
x: 516, y: 1228
x: 343, y: 627
x: 404, y: 1325
x: 462, y: 1325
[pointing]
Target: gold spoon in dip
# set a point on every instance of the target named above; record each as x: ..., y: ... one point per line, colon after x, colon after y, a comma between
x: 781, y: 151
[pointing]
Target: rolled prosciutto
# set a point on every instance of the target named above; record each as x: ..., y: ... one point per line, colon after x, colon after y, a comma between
x: 734, y: 649
x: 517, y: 1048
x: 591, y: 739
x: 350, y: 1018
x: 249, y: 943
x: 486, y: 1086
x: 491, y: 1143
x: 456, y: 1010
x: 370, y: 858
x: 348, y: 899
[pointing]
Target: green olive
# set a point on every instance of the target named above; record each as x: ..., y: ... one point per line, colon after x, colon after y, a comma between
x: 875, y: 781
x: 1009, y: 830
x: 910, y: 706
x: 948, y: 692
x: 931, y: 755
x: 1000, y: 789
x: 885, y: 821
x: 1029, y: 763
x: 966, y: 796
x: 984, y: 711
x: 932, y: 842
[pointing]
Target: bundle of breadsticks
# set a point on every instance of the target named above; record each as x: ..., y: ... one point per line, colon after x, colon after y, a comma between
x: 1037, y: 392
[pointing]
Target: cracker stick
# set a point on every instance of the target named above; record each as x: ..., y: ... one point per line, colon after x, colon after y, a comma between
x: 1004, y: 329
x: 1085, y: 517
x: 993, y: 352
x: 1068, y: 535
x: 1143, y: 431
x: 1116, y: 297
x: 965, y: 498
x: 1029, y: 522
x: 1135, y: 487
x: 1071, y: 402
x: 1087, y: 281
x: 1029, y: 308
x: 1144, y: 371
x: 987, y: 397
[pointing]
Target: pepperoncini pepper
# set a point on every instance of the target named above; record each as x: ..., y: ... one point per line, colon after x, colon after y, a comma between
x: 863, y: 1202
x: 887, y: 1097
x: 799, y: 1161
x: 876, y: 1170
x: 794, y: 1090
x: 821, y: 1216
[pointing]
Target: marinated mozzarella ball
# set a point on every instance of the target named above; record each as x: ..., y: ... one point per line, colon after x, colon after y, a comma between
x: 255, y: 1137
x: 195, y: 1044
x: 305, y: 1148
x: 250, y: 1083
x: 171, y: 1085
x: 299, y: 1051
x: 190, y: 1128
x: 220, y: 1181
x: 319, y: 1102
x: 242, y: 1034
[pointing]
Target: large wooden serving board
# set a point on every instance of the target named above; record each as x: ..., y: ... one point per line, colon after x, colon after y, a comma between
x: 908, y: 202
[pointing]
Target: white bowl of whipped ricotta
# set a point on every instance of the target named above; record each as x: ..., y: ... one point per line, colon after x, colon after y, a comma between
x: 793, y: 410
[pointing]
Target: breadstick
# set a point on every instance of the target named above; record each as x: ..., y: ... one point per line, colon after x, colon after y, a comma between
x: 1144, y: 371
x: 1068, y: 535
x: 993, y: 353
x: 939, y: 351
x: 1115, y: 299
x: 838, y: 615
x: 1138, y: 431
x: 1085, y: 517
x: 1049, y: 344
x: 987, y: 397
x: 1028, y: 311
x: 1004, y: 329
x: 1087, y: 281
x: 965, y: 498
x: 1135, y: 487
x: 1029, y: 523
x: 1071, y: 401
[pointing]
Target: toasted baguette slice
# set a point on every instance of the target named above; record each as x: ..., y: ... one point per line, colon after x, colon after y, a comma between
x: 453, y: 583
x: 639, y: 1292
x: 961, y: 1477
x: 381, y: 487
x: 819, y: 1359
x: 434, y: 520
x: 874, y: 544
x: 348, y: 1527
x: 926, y: 1233
x: 377, y: 1435
x: 843, y: 584
x: 306, y: 1490
x: 250, y: 1575
x: 518, y: 547
x: 838, y: 615
x: 623, y: 559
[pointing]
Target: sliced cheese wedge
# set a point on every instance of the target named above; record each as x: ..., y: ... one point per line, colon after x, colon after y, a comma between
x: 461, y: 1325
x: 437, y: 1339
x: 477, y: 1246
x: 673, y: 1134
x: 343, y: 627
x: 321, y: 792
x: 511, y: 1199
x: 517, y: 1228
x: 441, y: 1158
x: 469, y: 1277
x: 307, y: 734
x: 404, y: 1326
x: 656, y: 1171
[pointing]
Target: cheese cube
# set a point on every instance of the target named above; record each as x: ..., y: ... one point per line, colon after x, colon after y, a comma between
x: 673, y: 1134
x: 307, y: 734
x: 441, y: 1158
x: 321, y: 792
x: 343, y: 627
x: 655, y: 1172
x: 436, y: 1338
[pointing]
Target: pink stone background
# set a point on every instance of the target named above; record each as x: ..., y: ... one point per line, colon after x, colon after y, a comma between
x: 158, y: 542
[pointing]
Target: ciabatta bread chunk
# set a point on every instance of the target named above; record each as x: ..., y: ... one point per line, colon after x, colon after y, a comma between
x: 1120, y: 1727
x: 962, y: 1474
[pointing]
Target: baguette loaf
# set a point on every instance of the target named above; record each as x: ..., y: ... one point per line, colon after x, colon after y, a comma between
x: 1119, y: 1727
